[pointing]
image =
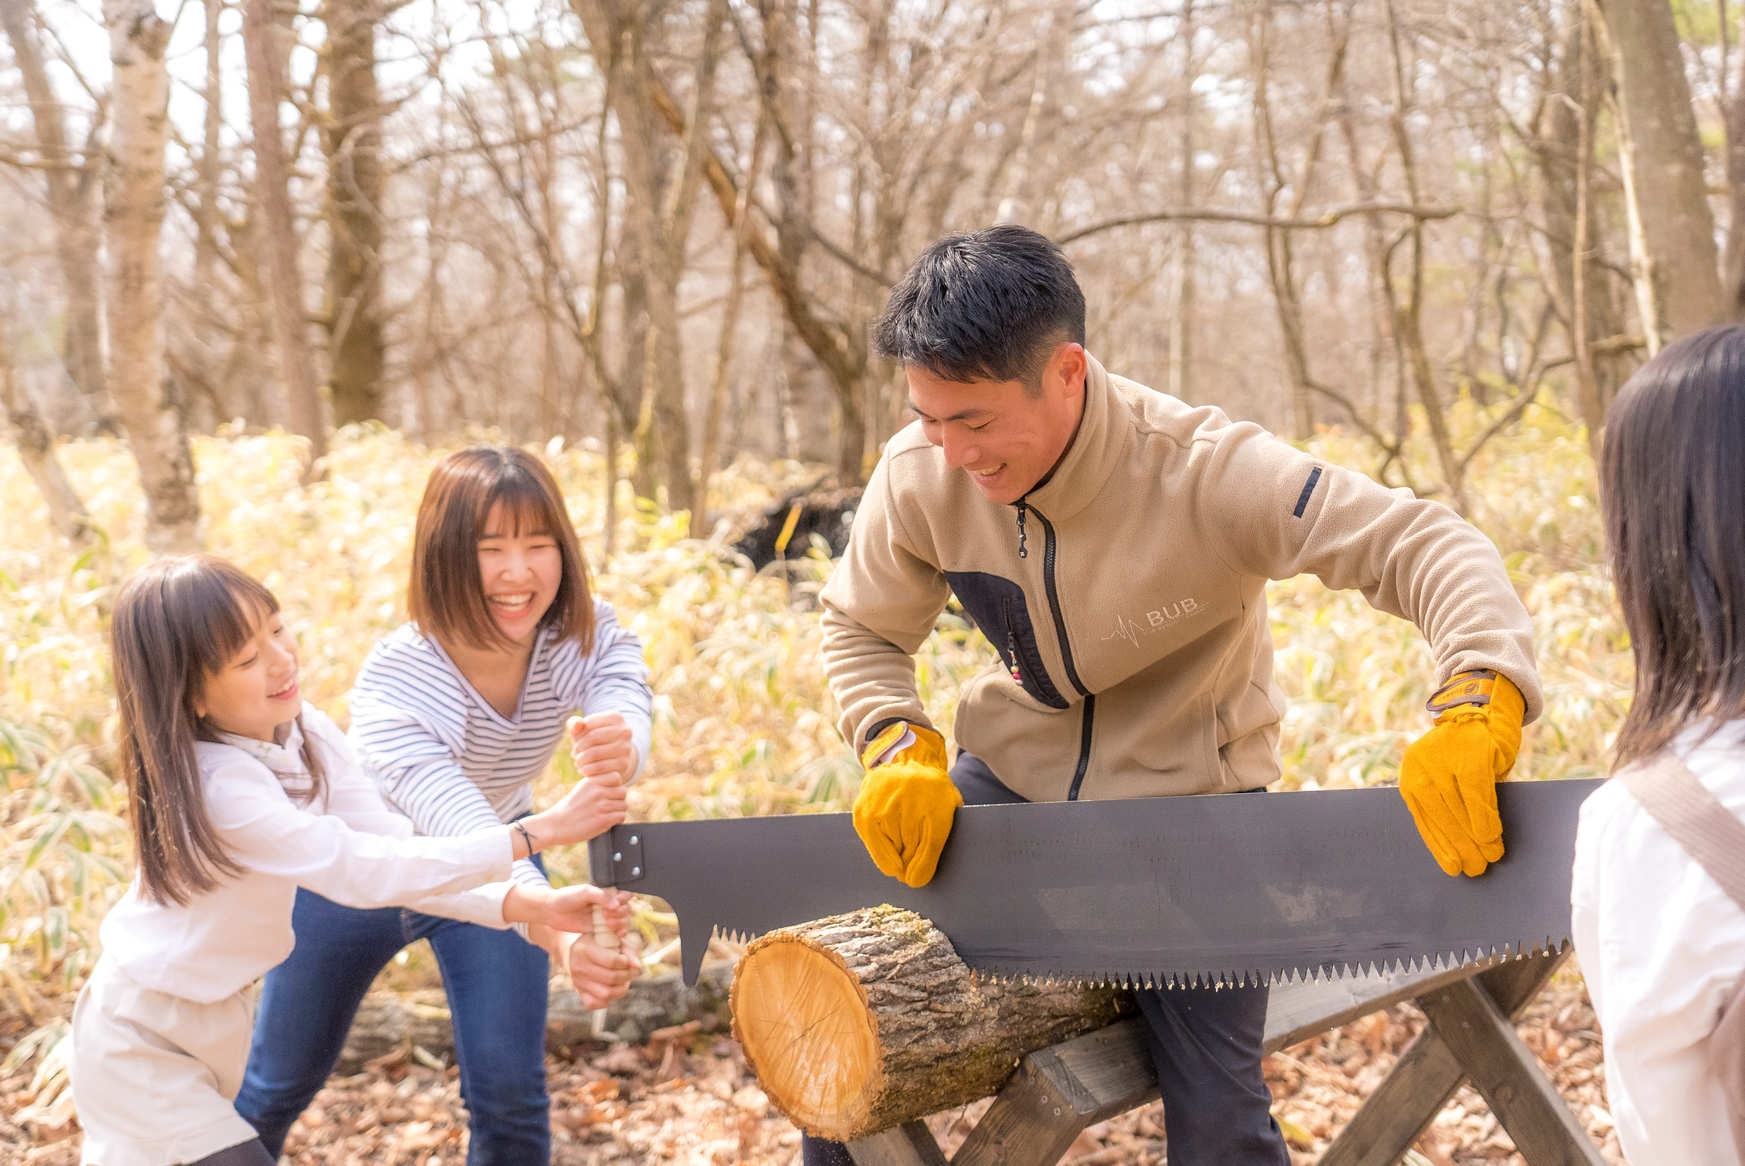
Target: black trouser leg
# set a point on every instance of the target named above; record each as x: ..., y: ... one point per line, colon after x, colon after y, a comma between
x: 249, y: 1153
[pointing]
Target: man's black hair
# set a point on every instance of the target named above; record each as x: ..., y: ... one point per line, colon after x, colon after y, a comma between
x: 991, y: 305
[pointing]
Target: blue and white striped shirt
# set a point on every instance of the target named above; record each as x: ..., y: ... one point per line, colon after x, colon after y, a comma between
x: 450, y: 761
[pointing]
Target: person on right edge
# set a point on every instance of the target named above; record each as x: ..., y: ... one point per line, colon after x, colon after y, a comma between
x: 1661, y: 940
x: 1114, y: 543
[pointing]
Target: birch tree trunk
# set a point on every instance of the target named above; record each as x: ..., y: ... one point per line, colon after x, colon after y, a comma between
x: 143, y: 395
x: 279, y: 227
x: 1666, y: 168
x: 72, y: 189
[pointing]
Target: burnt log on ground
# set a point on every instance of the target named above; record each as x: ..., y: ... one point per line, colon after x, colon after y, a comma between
x: 786, y: 527
x: 861, y: 1021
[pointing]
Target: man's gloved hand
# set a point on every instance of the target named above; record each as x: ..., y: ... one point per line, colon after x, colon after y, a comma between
x: 1450, y: 774
x: 906, y: 802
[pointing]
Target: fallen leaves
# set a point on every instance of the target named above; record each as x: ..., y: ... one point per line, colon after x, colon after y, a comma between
x: 688, y: 1098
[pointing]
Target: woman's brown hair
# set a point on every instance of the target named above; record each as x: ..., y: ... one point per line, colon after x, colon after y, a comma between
x: 447, y: 596
x: 177, y: 621
x: 1672, y: 490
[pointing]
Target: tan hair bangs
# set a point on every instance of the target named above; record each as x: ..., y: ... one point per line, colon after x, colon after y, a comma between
x: 446, y: 595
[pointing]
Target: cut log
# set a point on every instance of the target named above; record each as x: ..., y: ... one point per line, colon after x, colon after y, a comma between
x: 862, y: 1021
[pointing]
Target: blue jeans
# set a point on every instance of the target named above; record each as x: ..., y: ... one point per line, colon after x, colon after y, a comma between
x: 1205, y: 1046
x: 496, y: 986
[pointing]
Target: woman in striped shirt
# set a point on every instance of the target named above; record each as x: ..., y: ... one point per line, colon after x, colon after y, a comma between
x: 455, y: 714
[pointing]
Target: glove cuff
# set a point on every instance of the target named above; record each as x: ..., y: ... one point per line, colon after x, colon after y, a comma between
x: 1475, y: 688
x: 904, y: 741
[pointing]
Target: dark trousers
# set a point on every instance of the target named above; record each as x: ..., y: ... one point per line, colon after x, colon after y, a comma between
x: 1205, y: 1045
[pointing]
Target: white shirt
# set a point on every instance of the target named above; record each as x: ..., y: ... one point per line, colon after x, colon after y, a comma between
x: 353, y: 849
x: 1662, y: 947
x: 449, y: 760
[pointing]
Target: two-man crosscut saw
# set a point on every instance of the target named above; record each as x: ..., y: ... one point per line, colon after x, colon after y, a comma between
x: 1147, y: 891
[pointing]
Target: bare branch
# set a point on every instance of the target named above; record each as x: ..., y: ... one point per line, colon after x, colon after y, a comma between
x: 1320, y: 222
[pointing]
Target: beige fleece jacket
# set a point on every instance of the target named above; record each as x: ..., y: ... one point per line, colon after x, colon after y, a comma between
x: 1135, y: 655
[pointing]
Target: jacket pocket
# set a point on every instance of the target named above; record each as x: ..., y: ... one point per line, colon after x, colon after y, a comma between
x: 998, y: 609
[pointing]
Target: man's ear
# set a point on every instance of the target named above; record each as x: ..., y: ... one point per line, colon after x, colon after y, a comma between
x: 1070, y: 364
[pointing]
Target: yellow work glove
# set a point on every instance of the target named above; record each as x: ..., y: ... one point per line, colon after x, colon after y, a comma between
x: 1450, y: 774
x: 905, y: 806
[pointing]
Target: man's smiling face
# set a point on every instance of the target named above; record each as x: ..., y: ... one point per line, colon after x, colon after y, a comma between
x: 1005, y: 435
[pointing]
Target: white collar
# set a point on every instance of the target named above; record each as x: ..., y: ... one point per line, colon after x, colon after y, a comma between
x: 285, y: 760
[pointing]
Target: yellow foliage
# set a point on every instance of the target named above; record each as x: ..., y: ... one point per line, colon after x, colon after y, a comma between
x: 744, y: 724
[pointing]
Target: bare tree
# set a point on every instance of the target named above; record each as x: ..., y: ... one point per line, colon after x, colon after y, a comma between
x: 660, y: 196
x: 36, y: 450
x: 73, y: 185
x: 352, y: 141
x: 144, y: 395
x: 1665, y: 160
x: 278, y: 228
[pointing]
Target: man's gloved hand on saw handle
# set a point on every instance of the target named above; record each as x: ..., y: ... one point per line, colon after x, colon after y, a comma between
x: 906, y: 802
x: 1449, y: 775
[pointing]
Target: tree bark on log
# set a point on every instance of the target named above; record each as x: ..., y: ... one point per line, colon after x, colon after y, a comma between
x: 861, y: 1021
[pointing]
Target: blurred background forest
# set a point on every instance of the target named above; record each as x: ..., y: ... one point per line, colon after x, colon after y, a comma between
x: 260, y: 262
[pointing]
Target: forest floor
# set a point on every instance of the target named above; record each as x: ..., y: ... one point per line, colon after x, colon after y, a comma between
x: 689, y: 1099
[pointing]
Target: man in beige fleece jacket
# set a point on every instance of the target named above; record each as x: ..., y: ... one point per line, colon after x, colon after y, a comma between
x: 1113, y: 543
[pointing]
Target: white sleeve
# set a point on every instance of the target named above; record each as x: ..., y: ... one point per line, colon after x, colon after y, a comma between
x: 262, y: 830
x: 355, y: 800
x: 1661, y: 947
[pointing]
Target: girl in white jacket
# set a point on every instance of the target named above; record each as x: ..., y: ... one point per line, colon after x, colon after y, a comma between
x: 239, y: 794
x: 1662, y: 945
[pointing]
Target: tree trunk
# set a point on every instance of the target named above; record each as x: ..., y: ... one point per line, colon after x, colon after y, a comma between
x: 1053, y: 33
x: 862, y: 1021
x: 1733, y: 263
x: 36, y: 450
x: 353, y: 141
x: 1181, y: 320
x: 1564, y: 147
x: 719, y: 383
x: 71, y: 200
x: 279, y: 226
x: 1666, y: 165
x: 660, y: 194
x: 1409, y: 314
x: 388, y: 1022
x: 143, y: 393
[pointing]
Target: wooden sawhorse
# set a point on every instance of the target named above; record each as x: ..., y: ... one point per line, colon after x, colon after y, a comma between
x: 1056, y: 1092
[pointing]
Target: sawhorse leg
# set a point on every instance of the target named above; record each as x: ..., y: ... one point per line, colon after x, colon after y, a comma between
x: 1035, y: 1117
x: 1470, y: 1035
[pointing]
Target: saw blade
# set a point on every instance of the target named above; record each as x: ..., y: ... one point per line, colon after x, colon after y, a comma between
x: 1207, y: 889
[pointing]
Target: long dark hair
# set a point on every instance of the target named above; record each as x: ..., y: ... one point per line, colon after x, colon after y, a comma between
x: 446, y: 595
x: 177, y: 621
x: 1672, y: 490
